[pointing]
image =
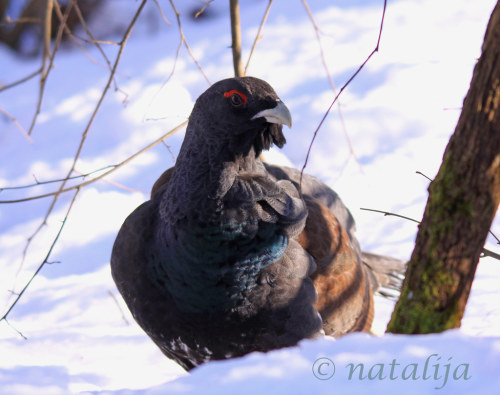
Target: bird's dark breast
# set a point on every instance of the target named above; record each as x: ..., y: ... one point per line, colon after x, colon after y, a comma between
x: 180, y: 311
x: 213, y: 268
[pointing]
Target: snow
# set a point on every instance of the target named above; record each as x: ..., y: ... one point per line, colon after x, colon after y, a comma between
x: 399, y: 113
x: 355, y: 364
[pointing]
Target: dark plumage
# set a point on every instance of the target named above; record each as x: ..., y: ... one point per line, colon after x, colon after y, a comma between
x: 228, y: 257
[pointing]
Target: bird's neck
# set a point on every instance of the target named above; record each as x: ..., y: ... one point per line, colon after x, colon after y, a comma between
x: 201, y: 179
x: 210, y: 260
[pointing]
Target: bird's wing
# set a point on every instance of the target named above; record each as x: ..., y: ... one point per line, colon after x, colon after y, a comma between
x: 344, y: 284
x: 387, y: 272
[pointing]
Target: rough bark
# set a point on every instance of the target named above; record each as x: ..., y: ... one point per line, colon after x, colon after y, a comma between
x: 461, y: 206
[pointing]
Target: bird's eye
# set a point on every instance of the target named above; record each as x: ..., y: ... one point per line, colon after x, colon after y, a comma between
x: 236, y: 98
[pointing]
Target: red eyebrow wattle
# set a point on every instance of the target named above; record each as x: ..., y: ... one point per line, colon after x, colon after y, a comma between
x: 235, y: 92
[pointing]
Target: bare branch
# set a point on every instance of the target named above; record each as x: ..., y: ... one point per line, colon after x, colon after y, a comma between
x: 169, y: 150
x: 18, y: 125
x: 9, y: 21
x: 162, y: 13
x: 124, y: 318
x: 84, y: 135
x: 116, y: 167
x: 375, y: 50
x: 104, y: 92
x: 489, y: 253
x: 183, y: 40
x: 177, y: 53
x: 37, y: 183
x: 83, y: 23
x: 15, y: 329
x: 96, y: 41
x: 259, y: 34
x: 332, y: 84
x: 22, y: 80
x: 485, y: 252
x: 234, y: 10
x: 422, y: 174
x: 68, y: 32
x: 496, y: 238
x: 46, y: 260
x: 48, y: 56
x: 121, y: 186
x: 390, y: 214
x: 206, y: 4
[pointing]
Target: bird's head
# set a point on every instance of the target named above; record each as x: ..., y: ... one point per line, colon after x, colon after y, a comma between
x: 242, y: 113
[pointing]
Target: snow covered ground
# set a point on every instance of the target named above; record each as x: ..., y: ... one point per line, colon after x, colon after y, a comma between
x: 399, y: 114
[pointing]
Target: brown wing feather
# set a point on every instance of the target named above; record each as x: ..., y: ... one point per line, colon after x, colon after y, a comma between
x: 345, y: 295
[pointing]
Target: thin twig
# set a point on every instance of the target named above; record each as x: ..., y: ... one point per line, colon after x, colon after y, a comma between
x: 234, y: 11
x: 18, y: 125
x: 46, y: 260
x: 202, y: 10
x: 124, y: 318
x: 169, y: 150
x: 15, y: 329
x: 390, y: 214
x: 37, y: 183
x: 116, y: 184
x: 489, y: 253
x: 259, y: 34
x: 121, y: 186
x: 104, y: 92
x: 22, y: 80
x: 422, y: 174
x: 375, y: 50
x: 9, y: 21
x: 84, y: 135
x: 183, y: 40
x: 485, y: 252
x: 48, y: 56
x: 332, y: 84
x: 176, y: 58
x: 68, y: 32
x: 93, y: 40
x: 113, y: 168
x: 162, y: 13
x: 116, y: 167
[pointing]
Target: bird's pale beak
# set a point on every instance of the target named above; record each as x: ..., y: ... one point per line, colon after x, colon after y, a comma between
x: 279, y: 114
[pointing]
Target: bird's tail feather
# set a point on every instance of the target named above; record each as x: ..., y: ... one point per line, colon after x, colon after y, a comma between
x: 387, y: 272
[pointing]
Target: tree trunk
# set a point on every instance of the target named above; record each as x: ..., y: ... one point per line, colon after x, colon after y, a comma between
x: 461, y: 206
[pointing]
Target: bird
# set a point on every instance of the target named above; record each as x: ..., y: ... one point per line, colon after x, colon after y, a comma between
x: 233, y: 255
